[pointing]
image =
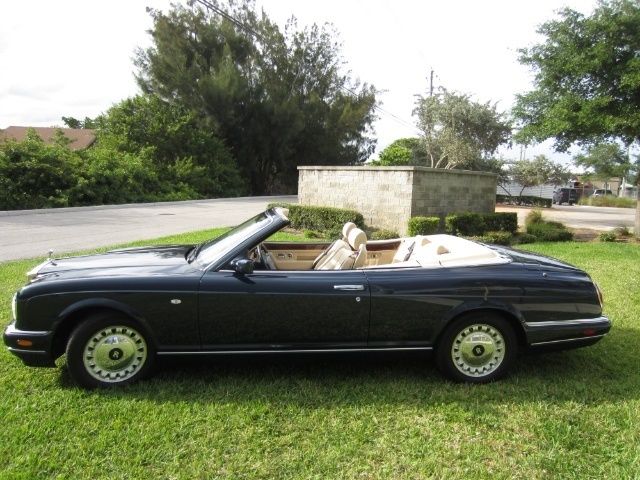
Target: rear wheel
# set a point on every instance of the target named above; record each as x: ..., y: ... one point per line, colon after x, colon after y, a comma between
x: 477, y: 348
x: 107, y: 350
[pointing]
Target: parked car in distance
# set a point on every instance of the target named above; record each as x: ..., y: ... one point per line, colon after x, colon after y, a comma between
x: 475, y: 306
x: 600, y: 192
x: 565, y: 195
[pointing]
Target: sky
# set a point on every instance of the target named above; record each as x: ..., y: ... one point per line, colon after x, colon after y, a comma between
x: 74, y: 57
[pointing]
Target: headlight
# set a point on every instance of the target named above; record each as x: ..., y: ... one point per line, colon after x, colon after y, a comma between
x: 14, y: 306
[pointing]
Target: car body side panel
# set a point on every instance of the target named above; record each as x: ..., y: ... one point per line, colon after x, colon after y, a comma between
x: 275, y: 309
x: 166, y: 305
x: 413, y: 307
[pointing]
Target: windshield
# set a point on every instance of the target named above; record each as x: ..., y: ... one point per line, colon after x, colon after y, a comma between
x: 214, y: 249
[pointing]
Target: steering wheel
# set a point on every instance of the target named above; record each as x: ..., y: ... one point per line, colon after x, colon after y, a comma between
x: 264, y: 257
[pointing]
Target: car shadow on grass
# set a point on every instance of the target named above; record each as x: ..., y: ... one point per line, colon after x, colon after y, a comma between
x: 592, y: 375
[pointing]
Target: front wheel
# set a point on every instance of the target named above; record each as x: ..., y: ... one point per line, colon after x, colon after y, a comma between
x: 108, y: 350
x: 477, y: 348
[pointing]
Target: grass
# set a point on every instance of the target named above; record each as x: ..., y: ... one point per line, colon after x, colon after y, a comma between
x: 608, y: 201
x: 574, y: 414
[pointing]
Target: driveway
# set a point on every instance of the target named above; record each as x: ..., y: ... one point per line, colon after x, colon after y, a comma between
x: 580, y: 216
x: 31, y: 233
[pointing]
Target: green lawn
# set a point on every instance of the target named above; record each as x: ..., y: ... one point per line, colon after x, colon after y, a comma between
x: 563, y: 415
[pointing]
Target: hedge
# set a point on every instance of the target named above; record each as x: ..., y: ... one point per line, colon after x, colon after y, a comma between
x: 525, y: 200
x: 423, y: 225
x: 324, y: 219
x: 497, y: 238
x: 501, y: 222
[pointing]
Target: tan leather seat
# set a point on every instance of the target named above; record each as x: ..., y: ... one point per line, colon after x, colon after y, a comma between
x: 346, y: 229
x: 345, y: 256
x: 333, y: 248
x: 358, y: 242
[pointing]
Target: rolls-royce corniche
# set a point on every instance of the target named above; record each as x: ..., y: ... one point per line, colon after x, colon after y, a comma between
x: 475, y: 306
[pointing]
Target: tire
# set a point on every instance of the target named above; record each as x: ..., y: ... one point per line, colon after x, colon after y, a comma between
x: 484, y: 357
x: 108, y: 350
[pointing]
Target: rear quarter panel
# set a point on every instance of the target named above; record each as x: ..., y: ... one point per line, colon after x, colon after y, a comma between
x: 412, y: 306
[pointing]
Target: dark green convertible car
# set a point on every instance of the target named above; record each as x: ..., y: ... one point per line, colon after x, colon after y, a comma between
x: 476, y: 306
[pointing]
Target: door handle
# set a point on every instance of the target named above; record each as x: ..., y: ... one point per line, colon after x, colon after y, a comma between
x: 354, y: 288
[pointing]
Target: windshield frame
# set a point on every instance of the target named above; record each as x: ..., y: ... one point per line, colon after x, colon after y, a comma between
x: 276, y: 219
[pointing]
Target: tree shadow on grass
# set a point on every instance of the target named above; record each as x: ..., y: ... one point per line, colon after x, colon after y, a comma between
x: 606, y: 372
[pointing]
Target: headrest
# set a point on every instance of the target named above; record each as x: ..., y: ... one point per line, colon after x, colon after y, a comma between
x: 356, y: 238
x: 347, y: 228
x: 422, y: 240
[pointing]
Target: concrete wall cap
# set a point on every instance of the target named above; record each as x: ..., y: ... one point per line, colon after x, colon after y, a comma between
x: 395, y: 169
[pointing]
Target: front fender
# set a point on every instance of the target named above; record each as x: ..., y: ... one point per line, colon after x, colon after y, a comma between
x: 89, y: 304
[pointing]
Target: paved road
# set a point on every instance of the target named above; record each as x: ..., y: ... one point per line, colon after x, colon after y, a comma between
x: 31, y: 233
x: 581, y: 216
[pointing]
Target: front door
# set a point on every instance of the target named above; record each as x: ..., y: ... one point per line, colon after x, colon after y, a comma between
x: 284, y: 310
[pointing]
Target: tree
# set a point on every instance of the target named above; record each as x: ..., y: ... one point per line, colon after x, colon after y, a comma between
x: 539, y: 171
x: 34, y: 174
x: 605, y: 160
x: 185, y: 153
x: 277, y: 98
x: 458, y: 132
x: 72, y: 122
x: 587, y: 79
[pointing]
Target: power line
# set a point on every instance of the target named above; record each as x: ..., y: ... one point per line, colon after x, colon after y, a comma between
x: 257, y: 35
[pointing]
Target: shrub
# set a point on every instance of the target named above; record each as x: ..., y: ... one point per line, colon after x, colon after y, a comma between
x: 549, y: 231
x: 534, y: 216
x: 497, y: 238
x: 468, y: 224
x: 36, y: 175
x: 622, y: 231
x: 423, y: 225
x: 524, y: 238
x: 501, y: 222
x: 312, y: 234
x: 608, y: 201
x: 607, y: 237
x: 323, y: 219
x: 383, y: 234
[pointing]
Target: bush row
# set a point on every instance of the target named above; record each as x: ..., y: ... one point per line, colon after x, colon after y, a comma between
x: 497, y: 228
x: 470, y: 224
x: 38, y: 175
x: 328, y: 220
x: 608, y: 201
x: 524, y: 200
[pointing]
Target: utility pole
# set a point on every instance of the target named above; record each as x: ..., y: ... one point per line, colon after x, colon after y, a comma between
x: 431, y: 83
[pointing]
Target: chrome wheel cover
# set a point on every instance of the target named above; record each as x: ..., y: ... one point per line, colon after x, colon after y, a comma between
x: 478, y: 350
x: 114, y: 354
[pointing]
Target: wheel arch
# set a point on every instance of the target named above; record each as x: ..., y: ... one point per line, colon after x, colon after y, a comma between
x: 509, y: 314
x: 69, y: 319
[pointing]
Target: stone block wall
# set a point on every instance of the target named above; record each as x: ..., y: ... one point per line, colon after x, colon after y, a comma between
x: 388, y: 196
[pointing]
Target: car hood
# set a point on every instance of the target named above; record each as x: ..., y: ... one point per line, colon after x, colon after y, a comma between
x: 116, y: 262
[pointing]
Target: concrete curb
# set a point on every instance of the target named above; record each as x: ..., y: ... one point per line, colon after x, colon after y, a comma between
x: 42, y: 211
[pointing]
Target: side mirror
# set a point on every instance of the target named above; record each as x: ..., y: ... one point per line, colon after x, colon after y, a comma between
x: 242, y: 266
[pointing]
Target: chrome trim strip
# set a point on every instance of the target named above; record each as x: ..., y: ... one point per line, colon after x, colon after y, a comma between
x: 22, y: 350
x: 358, y: 288
x: 568, y: 323
x: 12, y: 330
x: 567, y: 340
x: 323, y: 350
